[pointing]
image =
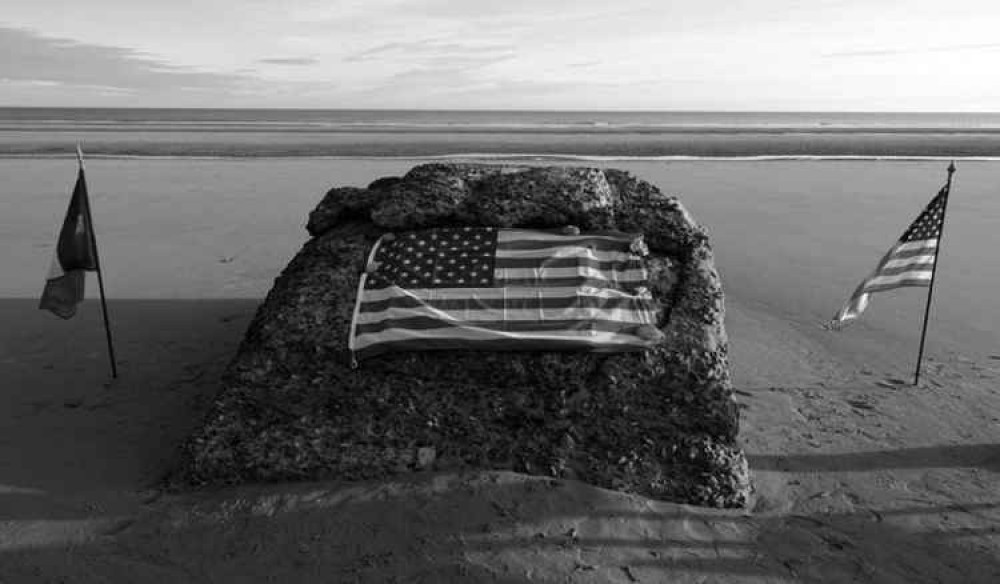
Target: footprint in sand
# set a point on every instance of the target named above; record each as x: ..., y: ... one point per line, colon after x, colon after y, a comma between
x: 891, y: 382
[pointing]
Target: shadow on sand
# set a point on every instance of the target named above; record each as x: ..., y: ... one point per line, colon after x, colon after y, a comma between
x: 492, y: 527
x: 66, y: 426
x: 984, y: 456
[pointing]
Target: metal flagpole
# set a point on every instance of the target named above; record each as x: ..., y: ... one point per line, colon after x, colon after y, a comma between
x: 97, y: 264
x: 930, y: 289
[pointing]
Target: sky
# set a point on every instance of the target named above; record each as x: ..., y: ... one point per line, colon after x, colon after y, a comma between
x: 706, y: 55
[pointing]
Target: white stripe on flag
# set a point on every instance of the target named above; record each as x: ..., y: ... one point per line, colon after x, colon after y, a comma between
x: 471, y: 333
x: 879, y: 281
x: 542, y: 273
x: 506, y: 235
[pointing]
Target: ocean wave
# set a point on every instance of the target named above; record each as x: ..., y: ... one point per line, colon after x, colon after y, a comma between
x: 510, y: 146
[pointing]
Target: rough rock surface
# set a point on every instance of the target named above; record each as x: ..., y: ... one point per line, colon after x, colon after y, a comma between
x: 662, y: 422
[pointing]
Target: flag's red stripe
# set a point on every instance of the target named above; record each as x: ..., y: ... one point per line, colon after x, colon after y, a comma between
x: 916, y: 251
x: 915, y: 268
x: 513, y: 303
x: 908, y: 282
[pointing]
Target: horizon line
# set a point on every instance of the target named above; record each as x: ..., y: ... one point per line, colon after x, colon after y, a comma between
x: 511, y: 110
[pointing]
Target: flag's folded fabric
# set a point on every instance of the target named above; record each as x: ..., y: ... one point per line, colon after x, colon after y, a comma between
x: 504, y: 289
x: 910, y: 262
x: 74, y: 254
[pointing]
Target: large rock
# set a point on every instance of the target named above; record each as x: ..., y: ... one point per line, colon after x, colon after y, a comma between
x: 661, y: 422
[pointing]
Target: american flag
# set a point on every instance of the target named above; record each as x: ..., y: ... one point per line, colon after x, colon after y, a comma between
x: 908, y: 263
x: 488, y: 288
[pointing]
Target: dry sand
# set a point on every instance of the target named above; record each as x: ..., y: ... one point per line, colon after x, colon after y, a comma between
x: 859, y: 475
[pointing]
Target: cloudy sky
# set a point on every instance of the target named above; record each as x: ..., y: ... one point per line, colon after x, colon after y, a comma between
x: 879, y: 55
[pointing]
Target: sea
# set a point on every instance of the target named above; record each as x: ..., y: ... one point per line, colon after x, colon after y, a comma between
x: 572, y: 135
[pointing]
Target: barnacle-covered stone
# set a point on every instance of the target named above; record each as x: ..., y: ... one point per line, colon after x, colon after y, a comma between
x: 661, y: 422
x: 341, y: 204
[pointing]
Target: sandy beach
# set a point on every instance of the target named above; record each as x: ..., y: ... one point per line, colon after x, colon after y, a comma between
x: 859, y: 475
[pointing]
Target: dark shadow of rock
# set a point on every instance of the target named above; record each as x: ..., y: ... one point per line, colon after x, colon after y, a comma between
x: 494, y: 527
x: 985, y: 456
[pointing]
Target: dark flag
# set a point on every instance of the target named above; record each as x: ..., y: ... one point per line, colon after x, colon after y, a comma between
x: 75, y: 253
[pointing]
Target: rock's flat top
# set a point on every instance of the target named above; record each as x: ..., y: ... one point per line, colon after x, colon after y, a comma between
x: 661, y: 422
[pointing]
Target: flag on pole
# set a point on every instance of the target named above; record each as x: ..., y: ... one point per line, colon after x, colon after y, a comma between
x: 504, y: 289
x: 75, y: 253
x: 910, y: 262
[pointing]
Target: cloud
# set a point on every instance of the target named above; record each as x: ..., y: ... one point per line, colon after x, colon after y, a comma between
x: 49, y: 83
x: 436, y: 53
x: 289, y: 61
x: 33, y: 60
x: 459, y: 88
x: 914, y: 51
